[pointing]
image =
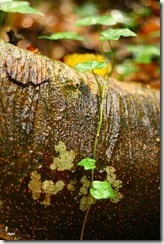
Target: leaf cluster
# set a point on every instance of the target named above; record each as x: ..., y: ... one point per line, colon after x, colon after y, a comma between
x: 99, y: 189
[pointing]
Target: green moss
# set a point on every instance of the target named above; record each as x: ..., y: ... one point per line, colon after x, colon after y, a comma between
x: 84, y: 188
x: 117, y: 198
x: 111, y: 177
x: 70, y: 187
x: 35, y: 184
x: 47, y: 187
x: 85, y: 181
x: 116, y: 184
x: 47, y: 199
x: 85, y: 201
x: 59, y: 185
x: 65, y: 159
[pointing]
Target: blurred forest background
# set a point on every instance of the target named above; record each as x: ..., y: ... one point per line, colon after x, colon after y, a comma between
x: 136, y: 59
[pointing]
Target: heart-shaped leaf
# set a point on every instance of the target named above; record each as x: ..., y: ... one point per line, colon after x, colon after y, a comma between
x: 96, y: 20
x: 18, y: 7
x: 101, y: 190
x: 90, y: 65
x: 87, y: 163
x: 115, y: 34
x: 64, y: 35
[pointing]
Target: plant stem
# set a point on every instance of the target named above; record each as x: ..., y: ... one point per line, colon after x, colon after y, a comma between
x: 102, y: 49
x: 112, y: 59
x: 100, y: 123
x: 84, y: 223
x: 98, y: 83
x: 95, y: 145
x: 102, y: 95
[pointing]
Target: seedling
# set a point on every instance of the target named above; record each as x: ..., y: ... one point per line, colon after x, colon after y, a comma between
x: 63, y: 35
x: 99, y: 189
x: 22, y: 7
x: 96, y: 20
x: 88, y: 163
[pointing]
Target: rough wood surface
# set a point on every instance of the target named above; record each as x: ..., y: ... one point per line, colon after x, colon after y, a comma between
x: 44, y: 102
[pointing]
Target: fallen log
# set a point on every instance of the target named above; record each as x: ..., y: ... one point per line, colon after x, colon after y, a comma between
x: 49, y: 116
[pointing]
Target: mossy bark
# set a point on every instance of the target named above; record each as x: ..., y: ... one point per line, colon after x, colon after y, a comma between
x: 44, y: 103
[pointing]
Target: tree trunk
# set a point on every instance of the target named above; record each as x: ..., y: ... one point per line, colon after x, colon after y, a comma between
x: 49, y: 117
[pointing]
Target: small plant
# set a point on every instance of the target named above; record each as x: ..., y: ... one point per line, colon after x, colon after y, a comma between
x: 98, y: 189
x: 63, y: 35
x: 22, y: 7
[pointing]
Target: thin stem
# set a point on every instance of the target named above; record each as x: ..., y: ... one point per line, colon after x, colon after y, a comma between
x: 112, y: 58
x: 98, y: 83
x: 84, y: 222
x: 95, y: 146
x: 102, y: 49
x: 100, y: 119
x: 94, y: 152
x: 102, y: 95
x: 2, y: 14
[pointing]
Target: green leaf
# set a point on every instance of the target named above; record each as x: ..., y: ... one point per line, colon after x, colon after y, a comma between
x: 90, y: 65
x: 114, y: 34
x: 64, y: 35
x: 101, y: 190
x: 88, y: 163
x: 126, y: 68
x: 21, y: 7
x: 144, y: 53
x: 86, y: 9
x: 96, y: 20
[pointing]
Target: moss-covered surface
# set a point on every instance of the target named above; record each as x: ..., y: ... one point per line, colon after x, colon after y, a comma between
x: 65, y: 159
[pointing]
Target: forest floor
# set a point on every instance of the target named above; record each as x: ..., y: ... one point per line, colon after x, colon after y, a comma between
x: 136, y: 59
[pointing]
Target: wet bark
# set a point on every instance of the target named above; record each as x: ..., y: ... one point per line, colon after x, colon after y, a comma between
x: 44, y: 102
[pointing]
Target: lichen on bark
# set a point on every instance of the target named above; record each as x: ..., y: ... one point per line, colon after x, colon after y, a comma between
x: 65, y: 159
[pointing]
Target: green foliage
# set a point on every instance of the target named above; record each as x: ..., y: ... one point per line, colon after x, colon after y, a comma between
x: 90, y: 65
x: 144, y: 53
x: 21, y: 7
x: 86, y: 9
x: 122, y: 17
x: 101, y: 190
x: 88, y: 163
x: 64, y: 35
x: 115, y: 34
x: 96, y: 20
x: 126, y: 68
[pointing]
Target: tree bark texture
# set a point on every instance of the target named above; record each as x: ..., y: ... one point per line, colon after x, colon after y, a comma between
x: 44, y: 104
